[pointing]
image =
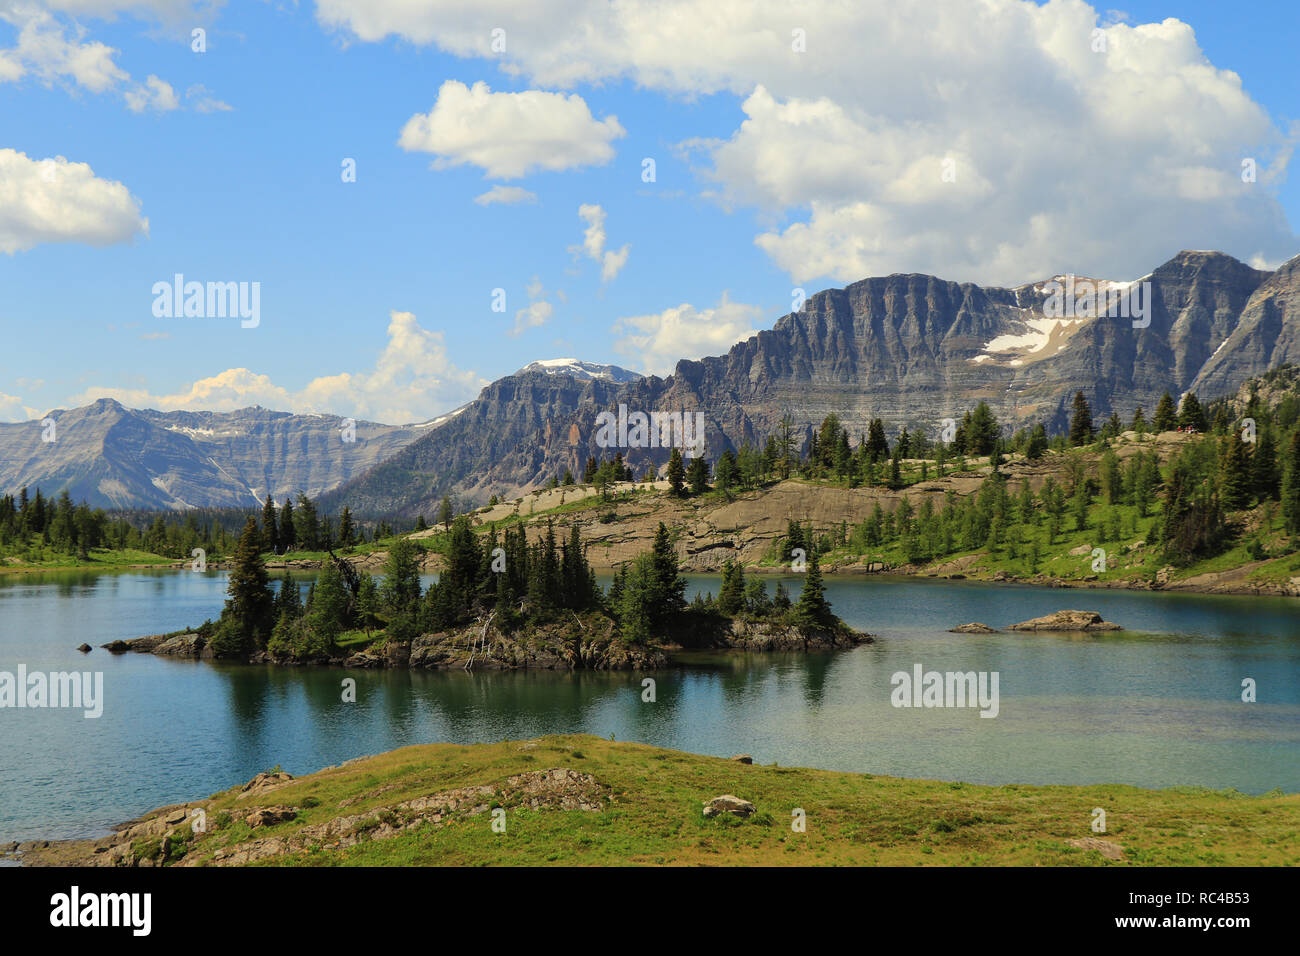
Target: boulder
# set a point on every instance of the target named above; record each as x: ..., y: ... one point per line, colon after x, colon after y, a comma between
x: 269, y: 816
x: 1067, y: 621
x: 743, y: 758
x: 84, y: 648
x: 728, y: 803
x: 974, y: 627
x: 263, y: 783
x: 1107, y: 848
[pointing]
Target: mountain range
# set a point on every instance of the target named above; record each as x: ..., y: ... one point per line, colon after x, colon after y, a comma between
x: 909, y: 349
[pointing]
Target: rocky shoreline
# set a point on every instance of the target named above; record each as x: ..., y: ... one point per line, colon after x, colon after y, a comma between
x: 587, y: 643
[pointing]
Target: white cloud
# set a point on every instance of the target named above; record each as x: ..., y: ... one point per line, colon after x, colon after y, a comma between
x: 657, y: 341
x: 506, y: 195
x: 1054, y: 145
x: 509, y: 135
x: 54, y: 200
x: 538, y: 312
x: 202, y: 102
x: 55, y: 50
x: 155, y: 94
x: 412, y: 380
x: 593, y: 243
x: 52, y: 52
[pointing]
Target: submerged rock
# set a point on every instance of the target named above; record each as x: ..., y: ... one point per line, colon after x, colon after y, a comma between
x: 1068, y: 621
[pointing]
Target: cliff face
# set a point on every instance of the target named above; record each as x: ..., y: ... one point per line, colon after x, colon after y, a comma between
x: 910, y: 349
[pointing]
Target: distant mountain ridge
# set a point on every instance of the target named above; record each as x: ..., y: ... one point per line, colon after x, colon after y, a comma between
x: 116, y: 457
x: 910, y: 349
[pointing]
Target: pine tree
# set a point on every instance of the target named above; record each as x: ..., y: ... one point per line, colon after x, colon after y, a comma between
x: 1166, y: 419
x: 287, y: 532
x: 270, y: 535
x: 1235, y: 487
x: 400, y: 592
x: 1080, y: 421
x: 445, y: 513
x: 246, y: 619
x: 347, y: 533
x: 1190, y: 414
x: 1037, y: 444
x: 812, y: 609
x: 676, y: 473
x: 731, y: 596
x: 1139, y: 420
x: 697, y: 475
x: 1291, y: 486
x: 1263, y: 467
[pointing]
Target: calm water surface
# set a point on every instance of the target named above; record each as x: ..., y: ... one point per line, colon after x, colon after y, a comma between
x: 1156, y: 706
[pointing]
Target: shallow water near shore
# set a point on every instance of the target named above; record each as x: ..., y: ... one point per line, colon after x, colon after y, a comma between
x: 1157, y: 705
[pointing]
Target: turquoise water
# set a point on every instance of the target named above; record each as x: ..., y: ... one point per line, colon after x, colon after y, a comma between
x: 1156, y: 706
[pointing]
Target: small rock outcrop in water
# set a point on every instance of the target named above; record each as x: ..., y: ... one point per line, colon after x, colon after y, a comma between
x: 1068, y: 621
x: 728, y: 803
x: 974, y: 627
x: 84, y: 648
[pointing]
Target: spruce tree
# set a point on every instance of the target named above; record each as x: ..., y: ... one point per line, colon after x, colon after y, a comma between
x: 400, y: 592
x: 1080, y: 421
x: 731, y: 596
x: 1291, y: 486
x: 697, y: 475
x: 287, y: 533
x: 676, y: 473
x: 812, y: 609
x: 1235, y: 487
x: 246, y: 619
x: 270, y: 535
x: 1190, y: 414
x: 1263, y: 466
x: 1166, y: 419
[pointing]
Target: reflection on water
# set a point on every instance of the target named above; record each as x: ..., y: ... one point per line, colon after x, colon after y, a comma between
x: 1157, y: 705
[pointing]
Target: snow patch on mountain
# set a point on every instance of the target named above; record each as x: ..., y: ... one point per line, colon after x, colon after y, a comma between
x: 581, y: 370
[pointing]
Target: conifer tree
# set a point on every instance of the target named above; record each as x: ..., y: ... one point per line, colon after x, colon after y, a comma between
x: 697, y: 475
x: 1191, y: 415
x: 270, y: 535
x: 246, y: 618
x: 1166, y: 419
x: 1080, y: 421
x: 676, y: 473
x: 812, y: 609
x: 1291, y: 485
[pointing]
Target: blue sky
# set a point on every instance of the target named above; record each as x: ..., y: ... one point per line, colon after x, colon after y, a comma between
x: 775, y: 168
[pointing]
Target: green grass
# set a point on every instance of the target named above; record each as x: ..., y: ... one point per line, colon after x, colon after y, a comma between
x: 655, y: 818
x: 43, y: 559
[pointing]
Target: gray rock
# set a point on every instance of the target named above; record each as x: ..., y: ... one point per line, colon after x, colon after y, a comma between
x: 729, y: 803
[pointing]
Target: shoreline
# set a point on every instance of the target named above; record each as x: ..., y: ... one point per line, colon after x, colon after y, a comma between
x: 431, y: 799
x: 1228, y: 587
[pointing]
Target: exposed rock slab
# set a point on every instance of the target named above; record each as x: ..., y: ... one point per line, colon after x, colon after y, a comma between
x: 1067, y: 621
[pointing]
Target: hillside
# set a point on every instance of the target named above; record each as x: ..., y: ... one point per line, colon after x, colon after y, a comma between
x: 911, y: 349
x: 750, y: 527
x: 581, y: 800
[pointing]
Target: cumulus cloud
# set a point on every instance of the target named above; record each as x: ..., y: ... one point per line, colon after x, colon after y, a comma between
x: 505, y: 195
x: 201, y: 101
x: 53, y: 49
x: 54, y: 200
x: 655, y: 342
x: 412, y: 380
x: 1058, y: 145
x: 593, y: 243
x: 509, y: 135
x: 538, y: 311
x: 154, y: 94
